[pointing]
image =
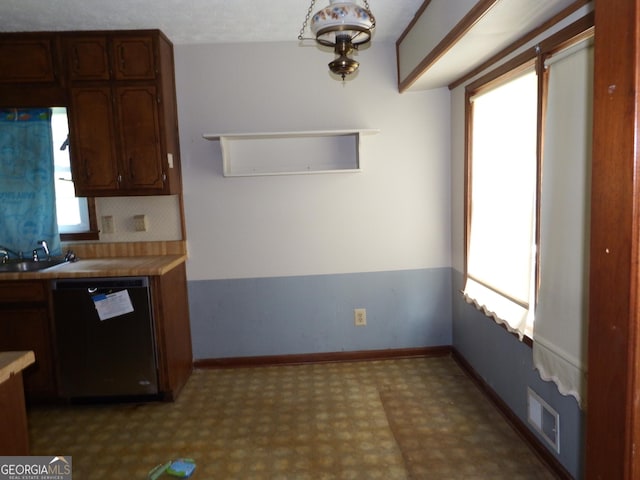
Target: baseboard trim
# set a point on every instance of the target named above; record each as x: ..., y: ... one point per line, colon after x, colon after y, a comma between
x: 518, y: 425
x: 328, y: 357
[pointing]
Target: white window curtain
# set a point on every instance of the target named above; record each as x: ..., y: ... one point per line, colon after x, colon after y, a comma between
x: 560, y: 329
x: 503, y: 189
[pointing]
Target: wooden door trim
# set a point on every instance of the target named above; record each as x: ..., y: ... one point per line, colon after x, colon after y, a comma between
x: 612, y: 414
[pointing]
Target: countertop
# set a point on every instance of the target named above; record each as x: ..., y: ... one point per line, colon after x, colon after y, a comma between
x: 148, y: 265
x: 14, y: 362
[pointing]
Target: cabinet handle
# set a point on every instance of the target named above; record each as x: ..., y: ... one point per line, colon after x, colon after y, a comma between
x: 76, y: 59
x: 123, y: 63
x: 119, y: 178
x: 164, y: 177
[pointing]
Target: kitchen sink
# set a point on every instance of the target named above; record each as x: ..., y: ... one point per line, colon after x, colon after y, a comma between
x: 13, y: 266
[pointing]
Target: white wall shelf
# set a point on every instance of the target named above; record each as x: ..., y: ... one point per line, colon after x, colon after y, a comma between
x: 290, y: 153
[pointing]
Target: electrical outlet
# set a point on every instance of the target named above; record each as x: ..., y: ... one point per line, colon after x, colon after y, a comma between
x: 360, y: 317
x: 107, y: 224
x: 140, y: 223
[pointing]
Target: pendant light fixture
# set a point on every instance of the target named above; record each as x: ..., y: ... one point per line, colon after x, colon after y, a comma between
x: 343, y: 26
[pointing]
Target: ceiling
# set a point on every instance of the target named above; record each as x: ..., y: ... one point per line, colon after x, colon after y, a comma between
x: 495, y: 29
x: 195, y: 21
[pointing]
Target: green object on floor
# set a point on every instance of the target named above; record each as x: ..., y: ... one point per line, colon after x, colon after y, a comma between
x: 155, y: 472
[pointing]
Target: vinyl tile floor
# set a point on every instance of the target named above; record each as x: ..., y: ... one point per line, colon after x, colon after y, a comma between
x: 419, y: 418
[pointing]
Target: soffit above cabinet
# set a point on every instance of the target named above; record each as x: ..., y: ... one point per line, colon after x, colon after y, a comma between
x: 448, y: 39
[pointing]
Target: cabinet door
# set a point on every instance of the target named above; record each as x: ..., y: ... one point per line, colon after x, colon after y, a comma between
x: 28, y: 329
x: 94, y: 162
x: 87, y: 58
x: 26, y: 60
x: 134, y: 58
x: 138, y: 120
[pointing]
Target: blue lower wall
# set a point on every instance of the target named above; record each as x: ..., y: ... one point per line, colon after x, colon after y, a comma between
x: 506, y: 364
x: 314, y: 314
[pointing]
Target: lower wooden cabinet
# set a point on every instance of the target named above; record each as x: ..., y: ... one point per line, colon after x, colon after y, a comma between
x: 13, y: 417
x: 25, y: 324
x: 173, y: 332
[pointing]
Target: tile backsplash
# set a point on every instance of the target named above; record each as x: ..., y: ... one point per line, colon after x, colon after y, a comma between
x: 162, y: 214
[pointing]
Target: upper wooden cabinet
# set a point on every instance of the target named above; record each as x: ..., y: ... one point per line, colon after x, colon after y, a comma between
x: 94, y: 166
x: 134, y: 58
x: 119, y: 149
x: 27, y: 58
x: 138, y: 116
x: 106, y: 57
x: 119, y: 88
x: 122, y: 110
x: 87, y: 57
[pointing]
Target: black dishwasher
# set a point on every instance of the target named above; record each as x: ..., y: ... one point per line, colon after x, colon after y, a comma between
x: 105, y: 338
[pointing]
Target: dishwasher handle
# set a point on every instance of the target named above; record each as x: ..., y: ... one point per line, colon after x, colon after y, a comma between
x: 94, y: 284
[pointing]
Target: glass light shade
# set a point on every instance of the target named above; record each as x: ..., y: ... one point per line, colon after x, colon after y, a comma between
x: 339, y: 19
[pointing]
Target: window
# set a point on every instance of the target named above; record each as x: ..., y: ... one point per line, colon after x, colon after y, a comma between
x: 509, y: 170
x: 528, y: 200
x: 75, y: 215
x: 502, y: 201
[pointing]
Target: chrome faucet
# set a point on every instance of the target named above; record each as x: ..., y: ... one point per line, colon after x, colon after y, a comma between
x: 45, y: 248
x: 7, y: 252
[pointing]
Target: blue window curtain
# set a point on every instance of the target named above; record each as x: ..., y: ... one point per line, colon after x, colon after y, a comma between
x: 27, y: 188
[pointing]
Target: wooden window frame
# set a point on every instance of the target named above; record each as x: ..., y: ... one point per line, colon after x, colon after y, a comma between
x: 93, y: 233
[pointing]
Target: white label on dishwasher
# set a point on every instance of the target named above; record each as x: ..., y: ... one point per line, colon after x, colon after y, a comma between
x: 113, y: 304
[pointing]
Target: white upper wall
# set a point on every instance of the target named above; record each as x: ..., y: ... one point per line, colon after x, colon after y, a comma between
x: 393, y: 215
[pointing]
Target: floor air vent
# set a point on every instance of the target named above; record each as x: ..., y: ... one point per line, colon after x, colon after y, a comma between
x: 544, y: 419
